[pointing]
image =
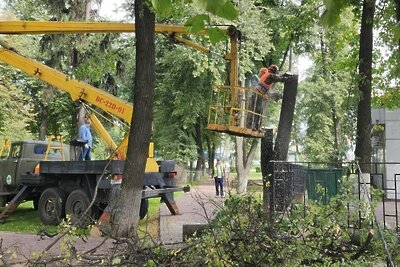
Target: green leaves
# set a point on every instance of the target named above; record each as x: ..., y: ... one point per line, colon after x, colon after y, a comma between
x: 197, y: 23
x: 224, y: 9
x: 162, y: 8
x: 215, y: 35
x: 333, y: 9
x: 397, y: 32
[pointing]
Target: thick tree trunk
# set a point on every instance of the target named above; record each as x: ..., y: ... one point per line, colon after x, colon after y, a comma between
x: 267, y: 147
x: 278, y: 152
x: 282, y: 141
x: 126, y: 215
x: 364, y: 124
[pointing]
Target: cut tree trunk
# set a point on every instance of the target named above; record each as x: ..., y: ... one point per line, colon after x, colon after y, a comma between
x: 278, y: 152
x: 282, y: 141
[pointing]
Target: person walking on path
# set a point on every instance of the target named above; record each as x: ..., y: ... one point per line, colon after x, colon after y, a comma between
x: 219, y: 172
x: 86, y: 136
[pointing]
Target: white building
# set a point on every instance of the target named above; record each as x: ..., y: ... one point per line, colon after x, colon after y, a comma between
x: 386, y: 149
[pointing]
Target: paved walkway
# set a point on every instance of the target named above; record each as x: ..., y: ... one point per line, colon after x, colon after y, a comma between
x: 16, y: 247
x: 195, y: 207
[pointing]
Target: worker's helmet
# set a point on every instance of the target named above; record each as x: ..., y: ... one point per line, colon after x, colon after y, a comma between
x: 273, y: 68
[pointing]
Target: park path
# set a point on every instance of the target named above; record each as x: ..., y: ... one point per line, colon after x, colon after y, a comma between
x: 195, y: 207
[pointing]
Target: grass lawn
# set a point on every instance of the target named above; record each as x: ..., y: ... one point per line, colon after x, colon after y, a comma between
x: 26, y: 220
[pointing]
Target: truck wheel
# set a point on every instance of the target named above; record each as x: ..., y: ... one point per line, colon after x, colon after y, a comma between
x: 144, y: 207
x: 51, y: 206
x: 77, y: 203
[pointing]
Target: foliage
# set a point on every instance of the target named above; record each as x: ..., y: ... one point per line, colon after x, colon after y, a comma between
x: 16, y: 112
x: 327, y: 99
x: 181, y: 102
x: 26, y: 220
x: 387, y: 71
x: 239, y: 235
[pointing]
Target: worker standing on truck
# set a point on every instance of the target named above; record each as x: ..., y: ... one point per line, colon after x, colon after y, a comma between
x: 266, y: 78
x: 86, y: 136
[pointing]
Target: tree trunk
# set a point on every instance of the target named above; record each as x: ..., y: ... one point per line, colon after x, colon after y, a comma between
x: 126, y: 215
x: 286, y: 120
x: 280, y: 150
x: 364, y: 124
x: 200, y: 167
x: 243, y: 162
x: 267, y: 147
x: 44, y: 113
x: 211, y: 156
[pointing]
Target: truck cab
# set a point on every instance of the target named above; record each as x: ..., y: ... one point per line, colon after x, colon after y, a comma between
x: 24, y: 156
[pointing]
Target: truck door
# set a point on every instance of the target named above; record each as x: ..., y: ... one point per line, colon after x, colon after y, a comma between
x: 9, y: 166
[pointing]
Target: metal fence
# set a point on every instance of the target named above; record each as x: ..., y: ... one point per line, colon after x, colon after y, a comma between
x: 303, y: 182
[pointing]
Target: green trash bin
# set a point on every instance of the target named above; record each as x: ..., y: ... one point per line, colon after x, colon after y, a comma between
x: 328, y: 179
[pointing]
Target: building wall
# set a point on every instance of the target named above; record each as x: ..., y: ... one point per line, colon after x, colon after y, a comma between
x: 391, y: 147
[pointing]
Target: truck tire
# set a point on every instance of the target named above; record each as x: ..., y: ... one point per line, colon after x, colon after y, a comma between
x: 77, y: 203
x: 144, y: 207
x: 51, y: 206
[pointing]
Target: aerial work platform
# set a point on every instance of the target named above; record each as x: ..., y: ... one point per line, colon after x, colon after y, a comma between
x: 232, y: 111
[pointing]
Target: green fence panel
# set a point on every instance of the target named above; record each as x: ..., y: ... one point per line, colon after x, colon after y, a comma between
x: 328, y: 179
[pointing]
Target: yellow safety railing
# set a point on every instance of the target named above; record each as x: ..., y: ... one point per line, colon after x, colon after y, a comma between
x: 55, y: 143
x: 232, y: 111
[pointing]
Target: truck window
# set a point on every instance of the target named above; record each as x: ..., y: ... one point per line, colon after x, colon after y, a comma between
x: 16, y: 151
x: 40, y: 149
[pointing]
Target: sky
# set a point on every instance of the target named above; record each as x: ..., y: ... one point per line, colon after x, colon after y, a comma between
x: 111, y: 9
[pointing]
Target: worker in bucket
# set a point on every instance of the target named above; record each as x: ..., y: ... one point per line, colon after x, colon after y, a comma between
x: 266, y: 78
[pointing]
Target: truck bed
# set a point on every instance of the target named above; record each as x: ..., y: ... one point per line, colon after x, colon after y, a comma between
x: 82, y: 167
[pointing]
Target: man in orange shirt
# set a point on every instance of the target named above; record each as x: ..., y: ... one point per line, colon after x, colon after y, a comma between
x: 266, y: 78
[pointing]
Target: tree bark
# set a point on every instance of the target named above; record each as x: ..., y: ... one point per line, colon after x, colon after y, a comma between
x: 44, y: 113
x: 126, y: 214
x: 200, y: 166
x: 364, y: 124
x: 282, y: 141
x: 243, y: 162
x: 267, y: 147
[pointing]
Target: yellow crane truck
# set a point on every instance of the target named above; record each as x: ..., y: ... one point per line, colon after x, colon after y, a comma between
x: 58, y: 183
x: 49, y: 173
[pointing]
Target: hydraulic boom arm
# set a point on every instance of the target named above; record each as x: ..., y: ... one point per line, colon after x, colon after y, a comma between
x: 77, y: 90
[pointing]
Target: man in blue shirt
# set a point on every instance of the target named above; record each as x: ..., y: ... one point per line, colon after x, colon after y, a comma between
x: 86, y: 136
